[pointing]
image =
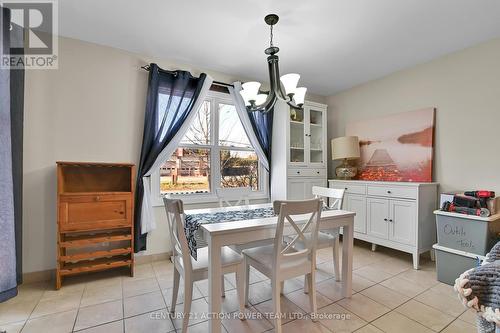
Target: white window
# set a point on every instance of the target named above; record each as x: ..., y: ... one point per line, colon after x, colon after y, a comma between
x: 214, y: 153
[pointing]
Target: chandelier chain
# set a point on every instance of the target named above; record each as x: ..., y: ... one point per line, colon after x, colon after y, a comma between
x: 271, y: 41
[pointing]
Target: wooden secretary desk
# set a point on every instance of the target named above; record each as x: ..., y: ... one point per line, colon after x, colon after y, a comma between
x: 95, y: 212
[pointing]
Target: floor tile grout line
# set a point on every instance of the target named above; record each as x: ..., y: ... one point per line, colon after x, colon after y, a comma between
x: 409, y: 298
x: 391, y: 310
x: 123, y: 304
x: 32, y: 310
x: 418, y: 321
x: 104, y: 323
x: 78, y: 309
x: 94, y: 326
x: 454, y: 320
x: 413, y: 298
x: 433, y: 306
x: 394, y: 310
x: 167, y: 310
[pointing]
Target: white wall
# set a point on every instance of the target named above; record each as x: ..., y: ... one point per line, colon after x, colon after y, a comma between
x: 465, y: 89
x: 90, y: 109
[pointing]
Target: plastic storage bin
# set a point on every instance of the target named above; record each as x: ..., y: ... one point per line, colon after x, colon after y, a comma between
x: 468, y: 233
x: 450, y: 263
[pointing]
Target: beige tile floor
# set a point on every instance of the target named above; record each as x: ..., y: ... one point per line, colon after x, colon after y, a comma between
x: 389, y: 297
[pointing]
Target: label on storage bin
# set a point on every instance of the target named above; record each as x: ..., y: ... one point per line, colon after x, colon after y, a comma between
x: 461, y: 234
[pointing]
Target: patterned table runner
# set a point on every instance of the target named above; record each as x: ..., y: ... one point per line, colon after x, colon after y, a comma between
x: 193, y: 222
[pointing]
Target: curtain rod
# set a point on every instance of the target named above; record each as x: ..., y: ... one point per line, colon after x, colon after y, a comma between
x: 148, y: 68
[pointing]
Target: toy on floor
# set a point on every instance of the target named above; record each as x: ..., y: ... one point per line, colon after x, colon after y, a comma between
x: 479, y: 289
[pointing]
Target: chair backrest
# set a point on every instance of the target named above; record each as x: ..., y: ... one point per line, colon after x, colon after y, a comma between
x: 334, y: 196
x: 302, y: 217
x: 241, y: 194
x: 175, y: 218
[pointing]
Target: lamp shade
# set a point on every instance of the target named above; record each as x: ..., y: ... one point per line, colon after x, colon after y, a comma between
x: 246, y: 98
x: 290, y: 82
x: 345, y: 147
x: 260, y: 99
x: 300, y: 95
x: 252, y: 89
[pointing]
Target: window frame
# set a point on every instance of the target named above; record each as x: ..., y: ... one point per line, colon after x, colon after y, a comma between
x: 215, y: 98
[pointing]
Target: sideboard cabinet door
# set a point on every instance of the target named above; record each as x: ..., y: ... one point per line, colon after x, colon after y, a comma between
x: 357, y: 203
x: 377, y: 217
x: 402, y: 222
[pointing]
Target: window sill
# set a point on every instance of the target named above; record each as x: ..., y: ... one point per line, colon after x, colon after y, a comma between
x: 207, y: 198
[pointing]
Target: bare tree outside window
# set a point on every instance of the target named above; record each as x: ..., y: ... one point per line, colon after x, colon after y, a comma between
x: 188, y: 169
x: 199, y: 131
x: 239, y: 169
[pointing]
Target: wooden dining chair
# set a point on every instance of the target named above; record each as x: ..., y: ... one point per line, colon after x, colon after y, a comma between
x: 282, y: 261
x: 239, y: 194
x: 193, y: 270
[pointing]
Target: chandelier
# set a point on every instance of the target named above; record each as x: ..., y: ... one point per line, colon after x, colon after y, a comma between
x: 283, y: 88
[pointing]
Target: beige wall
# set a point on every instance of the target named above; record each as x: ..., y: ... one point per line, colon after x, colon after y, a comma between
x: 465, y: 89
x: 90, y: 109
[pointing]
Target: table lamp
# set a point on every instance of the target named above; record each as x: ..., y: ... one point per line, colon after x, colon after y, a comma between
x: 345, y: 148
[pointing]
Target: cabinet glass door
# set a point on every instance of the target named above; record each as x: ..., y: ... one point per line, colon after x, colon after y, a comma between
x: 297, y: 135
x: 316, y: 136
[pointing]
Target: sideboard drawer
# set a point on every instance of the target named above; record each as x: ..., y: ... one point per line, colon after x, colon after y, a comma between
x: 306, y: 172
x: 350, y: 187
x: 92, y: 212
x: 393, y: 191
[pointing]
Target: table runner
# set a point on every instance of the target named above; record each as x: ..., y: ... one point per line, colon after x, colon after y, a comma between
x: 193, y: 222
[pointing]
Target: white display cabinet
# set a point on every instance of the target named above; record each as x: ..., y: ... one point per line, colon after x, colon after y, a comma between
x: 298, y: 150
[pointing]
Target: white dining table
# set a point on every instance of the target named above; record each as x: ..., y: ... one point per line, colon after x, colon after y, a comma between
x: 221, y: 234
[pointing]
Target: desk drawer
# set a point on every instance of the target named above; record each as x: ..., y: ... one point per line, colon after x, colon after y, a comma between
x: 306, y: 172
x: 349, y: 187
x: 393, y: 191
x: 94, y: 212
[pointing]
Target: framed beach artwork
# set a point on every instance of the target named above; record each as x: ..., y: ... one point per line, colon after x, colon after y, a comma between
x: 397, y: 147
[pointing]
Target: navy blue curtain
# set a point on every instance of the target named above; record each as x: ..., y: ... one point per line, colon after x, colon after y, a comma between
x: 262, y: 124
x: 170, y: 99
x: 17, y: 125
x: 11, y: 150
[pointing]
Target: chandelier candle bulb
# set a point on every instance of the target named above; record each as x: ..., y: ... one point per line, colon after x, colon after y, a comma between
x: 246, y: 97
x: 300, y: 95
x: 260, y: 99
x: 252, y: 89
x: 290, y: 82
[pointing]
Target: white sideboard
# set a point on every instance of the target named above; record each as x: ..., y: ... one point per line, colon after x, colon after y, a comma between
x: 392, y: 214
x: 299, y: 150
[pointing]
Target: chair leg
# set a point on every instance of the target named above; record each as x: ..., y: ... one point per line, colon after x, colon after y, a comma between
x: 188, y: 298
x: 306, y: 284
x: 312, y: 295
x: 276, y: 306
x: 247, y: 281
x: 222, y: 286
x: 240, y: 287
x: 336, y: 257
x: 282, y: 287
x: 175, y: 290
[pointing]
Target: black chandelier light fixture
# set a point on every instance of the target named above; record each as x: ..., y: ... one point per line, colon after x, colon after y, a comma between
x: 283, y: 88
